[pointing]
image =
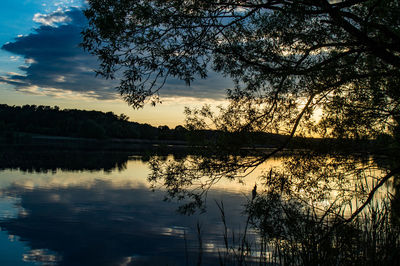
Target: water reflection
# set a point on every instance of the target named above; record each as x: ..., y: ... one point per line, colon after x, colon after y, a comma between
x: 99, y: 208
x: 98, y: 218
x: 67, y: 160
x: 313, y: 209
x: 97, y: 226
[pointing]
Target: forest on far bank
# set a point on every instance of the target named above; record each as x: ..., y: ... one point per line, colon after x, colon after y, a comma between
x: 53, y: 121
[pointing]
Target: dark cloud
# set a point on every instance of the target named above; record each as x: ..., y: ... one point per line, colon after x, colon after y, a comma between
x: 54, y: 59
x: 213, y: 87
x: 56, y: 64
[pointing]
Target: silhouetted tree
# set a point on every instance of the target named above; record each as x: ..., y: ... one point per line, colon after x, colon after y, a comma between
x: 300, y: 67
x: 322, y: 67
x: 288, y: 58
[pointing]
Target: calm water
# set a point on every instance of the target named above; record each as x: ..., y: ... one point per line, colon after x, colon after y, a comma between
x: 98, y: 208
x: 66, y: 209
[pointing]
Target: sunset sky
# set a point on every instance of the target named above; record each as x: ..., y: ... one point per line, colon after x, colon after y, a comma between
x: 41, y: 63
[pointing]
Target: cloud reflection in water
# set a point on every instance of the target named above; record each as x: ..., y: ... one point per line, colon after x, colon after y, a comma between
x: 106, y: 224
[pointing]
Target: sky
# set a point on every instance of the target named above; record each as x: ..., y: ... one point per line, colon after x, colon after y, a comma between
x: 42, y: 64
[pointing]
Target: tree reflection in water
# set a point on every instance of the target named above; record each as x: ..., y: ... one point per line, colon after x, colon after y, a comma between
x: 316, y: 209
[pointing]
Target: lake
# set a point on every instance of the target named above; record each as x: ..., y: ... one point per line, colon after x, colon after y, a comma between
x: 99, y: 208
x: 61, y: 209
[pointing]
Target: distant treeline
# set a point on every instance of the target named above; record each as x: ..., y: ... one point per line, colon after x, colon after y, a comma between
x: 46, y: 120
x: 52, y: 121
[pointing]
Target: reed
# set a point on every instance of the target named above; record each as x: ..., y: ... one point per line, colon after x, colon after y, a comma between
x: 372, y: 238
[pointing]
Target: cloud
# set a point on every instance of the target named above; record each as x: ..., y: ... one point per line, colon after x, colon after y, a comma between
x: 213, y: 87
x: 52, y: 19
x: 55, y: 62
x: 14, y: 58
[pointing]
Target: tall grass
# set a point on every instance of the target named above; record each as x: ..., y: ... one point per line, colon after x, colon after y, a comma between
x: 372, y: 238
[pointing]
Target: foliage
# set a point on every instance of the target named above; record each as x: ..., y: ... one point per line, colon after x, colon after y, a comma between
x: 327, y: 68
x: 78, y: 123
x: 295, y: 235
x: 288, y: 58
x: 320, y: 67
